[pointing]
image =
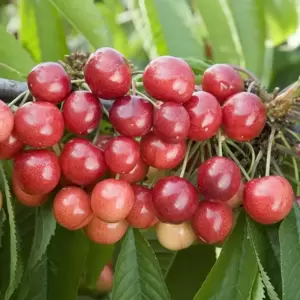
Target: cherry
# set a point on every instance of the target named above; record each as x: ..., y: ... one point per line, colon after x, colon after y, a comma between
x: 159, y: 154
x: 39, y: 124
x: 105, y: 280
x: 6, y: 121
x: 82, y: 162
x: 49, y: 82
x: 103, y: 140
x: 222, y: 81
x: 122, y: 154
x: 105, y: 233
x: 219, y: 178
x: 169, y: 78
x: 268, y: 199
x: 10, y: 147
x: 108, y: 73
x: 212, y: 221
x: 82, y: 112
x: 244, y: 117
x: 112, y: 200
x: 175, y: 199
x: 237, y: 199
x: 37, y: 171
x: 142, y: 214
x: 131, y: 116
x: 205, y: 116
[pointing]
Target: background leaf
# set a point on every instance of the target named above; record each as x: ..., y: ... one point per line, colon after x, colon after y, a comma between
x: 258, y: 292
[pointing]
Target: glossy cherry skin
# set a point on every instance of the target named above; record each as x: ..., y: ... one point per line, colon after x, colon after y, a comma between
x: 108, y: 73
x: 112, y: 200
x: 237, y: 199
x: 82, y: 162
x: 169, y: 78
x: 131, y: 116
x: 244, y: 117
x: 6, y: 121
x: 105, y: 280
x: 222, y: 81
x: 175, y: 199
x: 72, y: 208
x: 205, y: 116
x: 269, y: 199
x: 103, y: 140
x: 122, y: 154
x: 82, y: 112
x: 48, y: 81
x: 212, y: 222
x: 159, y: 154
x: 218, y: 178
x: 39, y: 124
x: 10, y: 147
x: 37, y: 171
x: 105, y: 233
x: 142, y: 214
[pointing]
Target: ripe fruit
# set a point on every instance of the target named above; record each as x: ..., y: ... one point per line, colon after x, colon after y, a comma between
x: 237, y: 199
x: 218, y: 178
x: 112, y: 200
x: 171, y: 122
x: 131, y: 116
x: 268, y: 199
x: 82, y: 162
x: 82, y: 112
x: 159, y: 154
x: 175, y: 199
x: 39, y: 124
x: 103, y: 140
x: 6, y: 121
x: 212, y: 221
x: 10, y: 147
x: 222, y: 81
x: 122, y: 154
x: 244, y: 116
x: 49, y: 82
x: 37, y: 171
x: 142, y: 214
x: 169, y: 78
x: 105, y: 233
x: 205, y: 116
x: 175, y: 237
x: 107, y: 73
x: 105, y: 280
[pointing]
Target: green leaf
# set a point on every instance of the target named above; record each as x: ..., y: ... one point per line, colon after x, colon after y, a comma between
x: 234, y: 273
x: 258, y: 292
x: 137, y: 273
x: 2, y: 222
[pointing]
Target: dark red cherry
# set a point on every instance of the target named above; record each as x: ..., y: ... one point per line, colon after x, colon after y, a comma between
x: 159, y: 154
x: 37, y: 171
x: 39, y: 124
x: 219, y: 178
x: 48, y: 81
x: 10, y: 147
x: 205, y: 116
x: 131, y: 116
x: 6, y: 121
x: 82, y: 162
x: 82, y: 112
x: 268, y: 199
x: 108, y: 73
x: 222, y: 81
x: 103, y: 140
x: 244, y: 117
x: 169, y: 78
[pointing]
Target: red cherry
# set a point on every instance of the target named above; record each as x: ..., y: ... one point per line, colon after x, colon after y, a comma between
x: 37, y: 171
x: 108, y: 74
x: 112, y: 200
x: 169, y: 78
x: 205, y: 116
x: 49, y: 82
x: 175, y: 199
x: 105, y: 280
x: 82, y: 162
x: 222, y: 81
x: 6, y: 121
x: 244, y: 116
x: 142, y: 215
x: 122, y: 154
x: 219, y: 178
x: 131, y: 116
x: 39, y: 124
x: 103, y: 140
x: 268, y: 199
x: 159, y: 154
x: 10, y: 147
x: 82, y: 112
x: 212, y: 221
x: 72, y: 208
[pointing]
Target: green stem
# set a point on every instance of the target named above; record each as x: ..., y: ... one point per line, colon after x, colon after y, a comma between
x: 233, y: 144
x: 252, y: 157
x: 269, y: 151
x: 95, y: 139
x: 185, y: 161
x: 209, y: 148
x: 25, y: 98
x: 117, y: 177
x: 294, y: 134
x: 220, y: 141
x: 257, y: 160
x: 133, y: 88
x: 56, y: 149
x: 78, y: 81
x: 147, y: 98
x: 17, y: 99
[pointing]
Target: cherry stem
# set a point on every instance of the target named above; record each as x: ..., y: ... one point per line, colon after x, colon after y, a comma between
x: 252, y: 157
x: 220, y: 141
x: 195, y: 160
x: 251, y: 86
x: 294, y: 134
x: 18, y: 98
x: 133, y: 87
x: 78, y: 81
x: 234, y: 145
x: 269, y: 151
x: 147, y: 98
x: 56, y: 149
x: 106, y: 112
x: 185, y: 161
x: 117, y: 177
x: 247, y: 72
x: 256, y: 162
x: 137, y: 73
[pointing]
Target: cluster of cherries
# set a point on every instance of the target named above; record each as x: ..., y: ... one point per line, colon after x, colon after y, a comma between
x: 98, y: 181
